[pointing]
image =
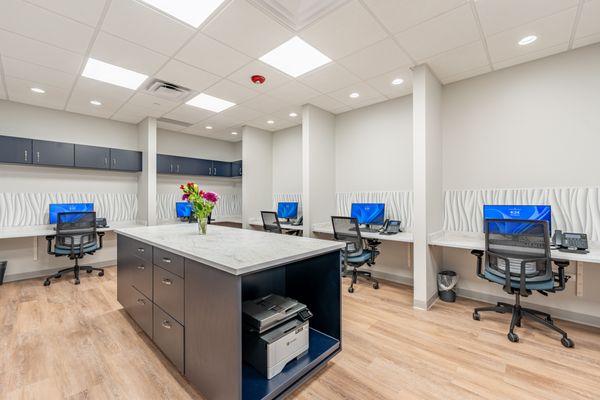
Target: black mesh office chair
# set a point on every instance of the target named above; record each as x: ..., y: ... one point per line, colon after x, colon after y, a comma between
x: 518, y: 257
x: 75, y: 237
x: 271, y: 223
x: 345, y: 229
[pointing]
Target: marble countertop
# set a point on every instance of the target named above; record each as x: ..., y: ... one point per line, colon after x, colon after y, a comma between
x: 233, y: 250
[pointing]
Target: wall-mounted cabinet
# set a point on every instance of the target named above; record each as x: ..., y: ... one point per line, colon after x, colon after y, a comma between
x: 236, y: 168
x: 58, y: 154
x: 175, y: 165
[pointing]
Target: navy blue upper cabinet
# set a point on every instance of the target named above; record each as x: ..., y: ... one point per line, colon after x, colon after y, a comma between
x: 221, y: 168
x: 204, y: 166
x: 15, y: 150
x: 92, y: 157
x: 166, y: 164
x: 236, y: 168
x: 163, y: 164
x: 53, y: 153
x: 125, y: 160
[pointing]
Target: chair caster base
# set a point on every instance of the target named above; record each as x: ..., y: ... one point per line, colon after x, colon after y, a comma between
x: 101, y: 273
x: 350, y: 289
x: 47, y: 282
x: 513, y: 337
x: 76, y: 282
x: 567, y: 342
x: 89, y: 271
x: 476, y: 316
x: 376, y: 285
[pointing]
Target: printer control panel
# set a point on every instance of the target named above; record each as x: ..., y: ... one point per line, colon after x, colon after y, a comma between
x: 305, y: 314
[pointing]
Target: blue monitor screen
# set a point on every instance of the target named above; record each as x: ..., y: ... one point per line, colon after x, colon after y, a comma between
x: 535, y: 213
x: 287, y: 210
x: 184, y: 209
x: 55, y: 209
x: 368, y: 213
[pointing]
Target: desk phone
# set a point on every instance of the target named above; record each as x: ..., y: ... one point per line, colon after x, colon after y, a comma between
x: 390, y: 227
x: 570, y: 242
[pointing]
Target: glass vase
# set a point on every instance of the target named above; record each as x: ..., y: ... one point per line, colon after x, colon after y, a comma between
x: 202, y: 223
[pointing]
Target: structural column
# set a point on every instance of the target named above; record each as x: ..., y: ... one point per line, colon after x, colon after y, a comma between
x: 147, y: 178
x: 318, y: 167
x: 427, y: 181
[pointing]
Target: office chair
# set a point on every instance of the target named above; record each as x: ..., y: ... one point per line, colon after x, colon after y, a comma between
x: 75, y: 237
x: 524, y: 247
x: 345, y: 229
x: 271, y: 223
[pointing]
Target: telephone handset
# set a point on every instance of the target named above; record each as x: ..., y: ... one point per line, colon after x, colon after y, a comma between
x: 570, y: 242
x: 298, y: 221
x: 390, y: 227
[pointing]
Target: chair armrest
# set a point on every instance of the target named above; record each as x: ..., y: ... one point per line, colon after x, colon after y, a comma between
x: 479, y: 255
x: 100, y: 236
x: 560, y: 275
x: 49, y: 239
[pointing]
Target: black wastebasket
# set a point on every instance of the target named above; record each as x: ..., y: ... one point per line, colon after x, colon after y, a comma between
x: 446, y: 281
x: 2, y: 271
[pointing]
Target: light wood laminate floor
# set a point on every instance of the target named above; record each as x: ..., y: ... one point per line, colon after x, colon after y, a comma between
x: 75, y: 342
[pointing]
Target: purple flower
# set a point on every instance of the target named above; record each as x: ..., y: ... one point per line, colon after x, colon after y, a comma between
x: 211, y: 196
x: 185, y: 196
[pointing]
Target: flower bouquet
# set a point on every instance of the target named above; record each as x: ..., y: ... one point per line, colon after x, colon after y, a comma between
x: 202, y: 203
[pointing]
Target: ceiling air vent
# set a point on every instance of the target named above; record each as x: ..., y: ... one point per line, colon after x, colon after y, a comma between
x: 167, y: 91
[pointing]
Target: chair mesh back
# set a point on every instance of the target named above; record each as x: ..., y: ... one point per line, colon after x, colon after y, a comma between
x: 345, y: 229
x: 514, y: 241
x: 76, y: 230
x: 270, y: 221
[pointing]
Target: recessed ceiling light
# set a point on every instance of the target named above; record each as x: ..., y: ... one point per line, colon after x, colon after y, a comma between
x: 293, y: 115
x: 208, y: 127
x: 193, y: 12
x: 234, y: 133
x: 38, y: 90
x: 105, y: 72
x: 270, y: 122
x: 295, y: 57
x: 397, y: 81
x: 210, y: 103
x: 354, y: 95
x: 95, y: 102
x: 527, y: 40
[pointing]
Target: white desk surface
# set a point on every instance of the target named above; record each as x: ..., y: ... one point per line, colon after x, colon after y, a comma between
x: 47, y: 230
x: 284, y: 225
x: 476, y: 241
x: 405, y: 237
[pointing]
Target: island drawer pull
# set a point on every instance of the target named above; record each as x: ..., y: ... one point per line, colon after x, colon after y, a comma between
x: 141, y: 301
x: 167, y: 281
x: 167, y: 260
x: 141, y: 267
x: 166, y: 324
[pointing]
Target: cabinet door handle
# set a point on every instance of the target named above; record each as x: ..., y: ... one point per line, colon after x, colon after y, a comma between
x: 215, y: 170
x: 106, y: 161
x: 167, y: 260
x: 141, y: 301
x: 167, y: 281
x: 170, y: 167
x: 114, y: 161
x: 166, y: 324
x: 177, y: 167
x: 38, y: 156
x: 141, y: 267
x: 25, y: 155
x: 141, y: 250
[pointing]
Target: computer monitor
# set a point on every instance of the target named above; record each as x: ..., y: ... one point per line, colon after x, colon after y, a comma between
x: 55, y: 209
x: 287, y: 209
x: 184, y: 209
x: 511, y: 212
x: 368, y: 213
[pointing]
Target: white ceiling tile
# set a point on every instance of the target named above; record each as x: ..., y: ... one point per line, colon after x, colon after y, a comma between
x: 284, y: 114
x: 169, y: 126
x: 461, y: 59
x: 365, y: 91
x: 551, y: 31
x: 143, y: 25
x: 261, y: 123
x: 273, y: 77
x: 116, y: 51
x: 342, y: 110
x: 97, y: 90
x: 200, y: 129
x: 35, y: 52
x: 450, y: 30
x: 20, y: 69
x: 37, y: 23
x: 87, y: 11
x: 586, y: 40
x: 185, y: 75
x: 383, y: 83
x: 80, y: 103
x: 189, y: 114
x: 230, y: 91
x: 246, y: 29
x: 497, y: 16
x: 326, y: 103
x: 398, y: 15
x: 589, y: 23
x: 545, y: 52
x: 344, y: 31
x: 367, y: 102
x: 466, y: 74
x: 265, y: 104
x: 239, y: 114
x: 218, y: 122
x: 154, y: 105
x: 143, y: 111
x: 376, y: 59
x: 208, y: 54
x: 328, y: 78
x: 129, y: 116
x: 19, y: 90
x: 294, y: 93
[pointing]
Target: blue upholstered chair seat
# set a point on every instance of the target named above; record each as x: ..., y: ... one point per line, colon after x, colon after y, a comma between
x: 362, y: 258
x: 541, y: 285
x: 64, y: 250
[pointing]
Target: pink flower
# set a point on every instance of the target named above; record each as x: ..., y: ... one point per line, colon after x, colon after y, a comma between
x: 211, y: 196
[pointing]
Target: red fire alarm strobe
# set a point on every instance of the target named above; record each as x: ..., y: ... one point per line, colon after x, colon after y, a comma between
x: 258, y: 79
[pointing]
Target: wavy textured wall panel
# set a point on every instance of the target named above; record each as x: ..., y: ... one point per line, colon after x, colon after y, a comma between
x: 230, y: 205
x: 25, y: 209
x: 573, y: 209
x: 398, y: 205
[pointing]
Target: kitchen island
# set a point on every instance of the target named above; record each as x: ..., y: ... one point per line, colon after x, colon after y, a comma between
x: 186, y: 291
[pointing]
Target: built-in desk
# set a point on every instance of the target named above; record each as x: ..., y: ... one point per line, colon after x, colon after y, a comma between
x: 48, y: 230
x: 186, y: 290
x: 284, y: 225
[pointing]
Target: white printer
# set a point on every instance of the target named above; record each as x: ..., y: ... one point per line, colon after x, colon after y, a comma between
x: 275, y: 332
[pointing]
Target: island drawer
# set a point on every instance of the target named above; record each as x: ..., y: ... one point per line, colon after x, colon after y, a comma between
x: 168, y: 292
x: 169, y: 261
x: 138, y: 273
x: 139, y: 308
x: 168, y: 336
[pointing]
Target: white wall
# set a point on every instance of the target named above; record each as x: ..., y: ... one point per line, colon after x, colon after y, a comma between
x: 374, y: 147
x: 257, y: 183
x: 287, y: 160
x: 185, y: 145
